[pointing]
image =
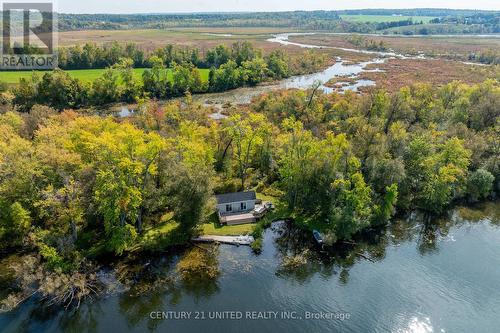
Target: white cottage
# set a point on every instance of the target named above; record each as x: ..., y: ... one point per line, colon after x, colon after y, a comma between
x: 236, y: 208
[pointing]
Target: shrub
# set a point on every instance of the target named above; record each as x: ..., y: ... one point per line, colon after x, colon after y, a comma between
x: 257, y: 245
x: 480, y: 184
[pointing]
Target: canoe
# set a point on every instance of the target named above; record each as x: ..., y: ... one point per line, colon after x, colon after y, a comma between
x: 318, y: 237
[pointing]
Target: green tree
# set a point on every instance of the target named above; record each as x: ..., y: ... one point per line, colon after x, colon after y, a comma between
x: 132, y: 89
x: 351, y: 209
x: 155, y: 80
x: 124, y: 159
x: 277, y: 62
x: 480, y: 184
x: 255, y: 71
x: 218, y: 56
x: 26, y: 92
x: 64, y: 207
x: 105, y: 89
x: 247, y: 135
x: 59, y: 90
x: 19, y: 223
x: 228, y: 76
x: 186, y: 78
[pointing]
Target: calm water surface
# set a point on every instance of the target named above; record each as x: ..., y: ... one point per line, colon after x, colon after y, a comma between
x: 442, y: 276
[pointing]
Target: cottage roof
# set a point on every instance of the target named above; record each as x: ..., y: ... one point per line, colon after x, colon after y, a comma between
x: 235, y: 197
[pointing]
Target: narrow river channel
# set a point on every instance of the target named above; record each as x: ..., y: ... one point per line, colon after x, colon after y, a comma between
x: 340, y: 68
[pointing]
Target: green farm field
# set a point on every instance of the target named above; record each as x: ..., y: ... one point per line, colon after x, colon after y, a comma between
x: 383, y: 18
x: 85, y: 75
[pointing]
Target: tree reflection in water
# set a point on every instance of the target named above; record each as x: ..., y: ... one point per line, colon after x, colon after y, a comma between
x: 154, y: 284
x: 300, y: 258
x: 83, y: 320
x: 159, y: 283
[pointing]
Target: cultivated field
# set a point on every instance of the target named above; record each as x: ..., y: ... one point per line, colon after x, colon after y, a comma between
x: 384, y: 18
x: 85, y: 75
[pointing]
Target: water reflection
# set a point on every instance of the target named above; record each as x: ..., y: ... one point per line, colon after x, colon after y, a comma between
x: 416, y: 325
x: 402, y: 277
x: 85, y: 319
x: 151, y: 286
x: 300, y: 258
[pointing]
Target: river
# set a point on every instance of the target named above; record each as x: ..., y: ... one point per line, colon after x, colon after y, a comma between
x: 340, y: 68
x: 442, y: 276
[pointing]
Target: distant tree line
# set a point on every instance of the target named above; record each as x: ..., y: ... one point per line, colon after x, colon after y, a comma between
x: 298, y: 19
x: 415, y: 12
x: 310, y: 20
x: 173, y: 72
x: 487, y: 22
x: 394, y: 24
x: 92, y: 56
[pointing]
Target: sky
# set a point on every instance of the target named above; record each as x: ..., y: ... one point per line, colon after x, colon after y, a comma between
x: 169, y: 6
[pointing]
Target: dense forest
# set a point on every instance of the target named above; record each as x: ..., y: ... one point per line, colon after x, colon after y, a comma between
x: 75, y: 187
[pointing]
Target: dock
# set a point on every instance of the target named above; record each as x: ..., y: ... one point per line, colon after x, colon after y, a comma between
x: 231, y: 240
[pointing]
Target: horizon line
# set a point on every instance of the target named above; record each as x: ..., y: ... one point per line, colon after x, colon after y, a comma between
x: 278, y: 11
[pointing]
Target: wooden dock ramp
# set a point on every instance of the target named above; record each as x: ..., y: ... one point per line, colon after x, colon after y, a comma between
x: 232, y: 240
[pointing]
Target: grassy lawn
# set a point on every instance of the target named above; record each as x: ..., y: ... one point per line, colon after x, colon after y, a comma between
x: 214, y: 228
x: 266, y: 198
x: 163, y: 229
x: 233, y: 230
x: 85, y: 75
x: 159, y: 237
x: 383, y: 18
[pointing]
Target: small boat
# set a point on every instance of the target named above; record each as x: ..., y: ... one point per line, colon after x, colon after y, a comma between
x: 269, y: 205
x: 318, y: 237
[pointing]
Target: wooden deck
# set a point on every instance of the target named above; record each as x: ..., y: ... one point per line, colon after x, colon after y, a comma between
x: 232, y: 240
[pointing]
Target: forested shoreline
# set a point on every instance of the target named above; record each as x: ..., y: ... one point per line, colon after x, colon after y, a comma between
x: 76, y: 187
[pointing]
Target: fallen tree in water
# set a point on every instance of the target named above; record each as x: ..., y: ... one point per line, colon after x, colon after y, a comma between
x: 32, y: 279
x: 199, y: 264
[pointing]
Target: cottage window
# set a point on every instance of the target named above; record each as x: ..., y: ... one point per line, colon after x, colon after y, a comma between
x: 229, y: 208
x: 243, y: 205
